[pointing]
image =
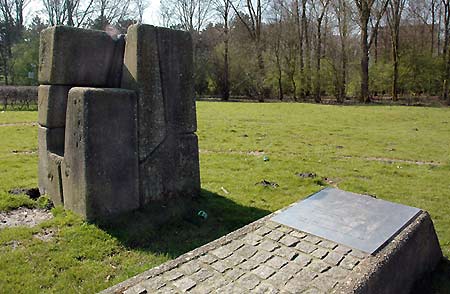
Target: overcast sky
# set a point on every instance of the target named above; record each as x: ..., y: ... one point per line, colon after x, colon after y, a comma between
x: 151, y: 14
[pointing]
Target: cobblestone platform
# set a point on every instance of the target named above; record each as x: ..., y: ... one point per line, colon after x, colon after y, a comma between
x: 263, y: 257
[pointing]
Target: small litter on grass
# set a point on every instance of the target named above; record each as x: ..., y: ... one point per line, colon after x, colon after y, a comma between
x: 266, y: 158
x: 33, y: 193
x: 202, y: 214
x: 224, y: 190
x: 307, y: 175
x: 266, y: 183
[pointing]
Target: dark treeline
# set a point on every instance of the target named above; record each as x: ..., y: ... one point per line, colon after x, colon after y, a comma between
x: 285, y: 49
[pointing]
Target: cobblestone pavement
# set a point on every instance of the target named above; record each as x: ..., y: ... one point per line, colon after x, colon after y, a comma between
x: 264, y: 257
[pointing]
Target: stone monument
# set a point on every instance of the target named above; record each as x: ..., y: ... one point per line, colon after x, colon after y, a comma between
x: 331, y: 242
x: 117, y: 119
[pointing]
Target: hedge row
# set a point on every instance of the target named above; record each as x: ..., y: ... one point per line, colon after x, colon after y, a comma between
x: 18, y: 97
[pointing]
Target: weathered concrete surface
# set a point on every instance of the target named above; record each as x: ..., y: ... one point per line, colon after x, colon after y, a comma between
x: 141, y: 73
x: 76, y: 57
x: 177, y: 73
x: 185, y: 180
x: 266, y: 257
x: 52, y: 104
x: 407, y: 258
x: 172, y: 171
x: 115, y: 71
x: 158, y: 65
x: 100, y: 167
x: 54, y: 179
x: 49, y: 140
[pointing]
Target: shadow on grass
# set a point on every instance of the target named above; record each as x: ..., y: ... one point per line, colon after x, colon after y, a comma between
x: 180, y: 234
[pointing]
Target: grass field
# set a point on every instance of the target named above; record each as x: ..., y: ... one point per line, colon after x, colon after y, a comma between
x: 400, y: 154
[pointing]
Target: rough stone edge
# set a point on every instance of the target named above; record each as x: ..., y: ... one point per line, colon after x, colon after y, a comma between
x: 119, y: 288
x: 374, y: 267
x: 358, y: 282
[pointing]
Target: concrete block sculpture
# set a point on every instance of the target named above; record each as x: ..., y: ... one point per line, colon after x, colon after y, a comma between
x: 117, y: 119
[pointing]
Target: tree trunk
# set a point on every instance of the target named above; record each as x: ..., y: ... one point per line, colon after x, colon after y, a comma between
x: 300, y: 45
x: 395, y: 68
x: 447, y: 77
x: 433, y: 21
x: 376, y: 46
x: 344, y: 34
x: 261, y: 70
x: 307, y: 61
x: 317, y: 96
x: 226, y: 66
x: 280, y: 78
x: 364, y: 63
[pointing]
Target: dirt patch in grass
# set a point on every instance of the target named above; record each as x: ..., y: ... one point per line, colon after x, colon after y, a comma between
x: 45, y: 235
x: 251, y: 153
x: 19, y: 124
x: 392, y: 160
x: 24, y: 217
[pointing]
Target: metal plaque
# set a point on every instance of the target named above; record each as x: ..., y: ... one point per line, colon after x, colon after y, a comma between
x: 357, y: 221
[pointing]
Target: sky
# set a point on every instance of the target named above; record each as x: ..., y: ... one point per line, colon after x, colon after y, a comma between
x: 151, y: 14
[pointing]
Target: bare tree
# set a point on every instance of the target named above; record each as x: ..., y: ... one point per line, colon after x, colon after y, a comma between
x: 254, y: 27
x: 394, y: 16
x: 425, y: 11
x: 141, y: 5
x: 446, y: 51
x: 68, y: 12
x: 320, y: 9
x: 342, y: 10
x: 277, y: 27
x: 368, y: 11
x: 307, y: 52
x: 111, y: 11
x: 189, y: 15
x: 223, y: 7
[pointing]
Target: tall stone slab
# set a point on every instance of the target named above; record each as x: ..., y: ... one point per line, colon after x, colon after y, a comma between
x: 100, y: 167
x: 79, y: 57
x: 141, y: 72
x: 158, y: 64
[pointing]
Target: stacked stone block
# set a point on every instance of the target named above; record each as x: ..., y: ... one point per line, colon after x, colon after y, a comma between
x: 158, y: 65
x: 105, y: 150
x: 100, y: 156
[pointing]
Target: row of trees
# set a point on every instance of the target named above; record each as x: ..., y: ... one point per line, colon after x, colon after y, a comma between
x: 269, y: 48
x: 316, y: 48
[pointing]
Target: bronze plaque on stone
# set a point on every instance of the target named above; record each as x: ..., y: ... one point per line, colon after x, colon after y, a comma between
x: 357, y: 221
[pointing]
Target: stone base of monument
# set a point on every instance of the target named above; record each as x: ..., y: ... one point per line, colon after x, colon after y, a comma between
x: 270, y: 256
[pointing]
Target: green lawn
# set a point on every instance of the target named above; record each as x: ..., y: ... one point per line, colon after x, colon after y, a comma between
x: 401, y: 154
